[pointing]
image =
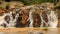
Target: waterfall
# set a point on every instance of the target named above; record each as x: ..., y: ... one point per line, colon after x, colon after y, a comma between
x: 42, y: 21
x: 31, y: 16
x: 11, y: 22
x: 2, y: 20
x: 52, y: 19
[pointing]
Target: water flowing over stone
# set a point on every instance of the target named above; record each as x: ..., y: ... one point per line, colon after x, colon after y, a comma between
x: 47, y: 15
x: 52, y: 19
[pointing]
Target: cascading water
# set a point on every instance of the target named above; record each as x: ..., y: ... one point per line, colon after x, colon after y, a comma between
x: 11, y: 21
x: 31, y: 18
x: 43, y: 21
x: 52, y: 19
x: 2, y: 20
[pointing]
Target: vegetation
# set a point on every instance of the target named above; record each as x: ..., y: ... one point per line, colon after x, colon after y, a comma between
x: 28, y: 2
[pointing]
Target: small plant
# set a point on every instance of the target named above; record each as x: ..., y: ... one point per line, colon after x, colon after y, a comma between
x: 45, y: 29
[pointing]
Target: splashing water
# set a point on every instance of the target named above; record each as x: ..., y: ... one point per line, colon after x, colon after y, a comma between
x: 52, y: 19
x: 2, y: 20
x: 43, y: 21
x: 12, y: 21
x: 31, y: 18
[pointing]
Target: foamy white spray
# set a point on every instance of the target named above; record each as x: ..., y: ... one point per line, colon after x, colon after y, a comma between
x: 52, y: 19
x: 31, y: 16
